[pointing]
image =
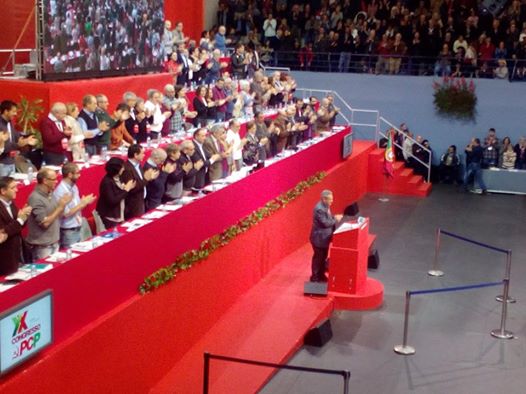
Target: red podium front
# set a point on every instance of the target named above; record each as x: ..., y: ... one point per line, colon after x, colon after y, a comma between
x: 348, y: 281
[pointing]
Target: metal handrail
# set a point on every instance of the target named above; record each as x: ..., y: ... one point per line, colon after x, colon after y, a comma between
x: 428, y: 164
x: 410, y: 65
x: 345, y: 374
x: 12, y: 59
x: 346, y: 105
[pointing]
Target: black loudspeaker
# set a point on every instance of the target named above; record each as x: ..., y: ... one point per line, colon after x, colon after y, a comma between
x: 315, y: 288
x: 319, y: 335
x: 373, y: 261
x: 351, y: 210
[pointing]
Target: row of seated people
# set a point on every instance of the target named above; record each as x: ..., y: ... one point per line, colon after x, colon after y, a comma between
x: 133, y: 186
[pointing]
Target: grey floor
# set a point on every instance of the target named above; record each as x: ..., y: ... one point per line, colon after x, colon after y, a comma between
x: 450, y: 331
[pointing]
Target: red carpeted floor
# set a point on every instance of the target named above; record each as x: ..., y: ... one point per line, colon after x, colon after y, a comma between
x: 268, y: 323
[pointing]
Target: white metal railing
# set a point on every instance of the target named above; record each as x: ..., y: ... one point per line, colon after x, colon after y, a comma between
x: 12, y: 59
x: 415, y: 142
x: 267, y: 69
x: 375, y: 124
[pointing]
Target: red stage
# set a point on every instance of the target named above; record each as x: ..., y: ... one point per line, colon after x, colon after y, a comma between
x: 99, y: 317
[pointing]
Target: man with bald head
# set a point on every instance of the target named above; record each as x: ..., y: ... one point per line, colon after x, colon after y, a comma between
x: 55, y: 135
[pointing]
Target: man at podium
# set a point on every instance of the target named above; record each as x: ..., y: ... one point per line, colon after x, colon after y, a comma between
x: 323, y: 225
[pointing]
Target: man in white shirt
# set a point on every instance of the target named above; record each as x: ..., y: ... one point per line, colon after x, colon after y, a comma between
x: 269, y: 29
x: 154, y: 112
x: 236, y: 143
x: 71, y: 219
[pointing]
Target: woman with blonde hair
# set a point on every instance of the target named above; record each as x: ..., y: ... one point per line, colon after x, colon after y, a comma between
x: 76, y: 141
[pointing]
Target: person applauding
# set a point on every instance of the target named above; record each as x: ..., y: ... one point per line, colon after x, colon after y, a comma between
x: 11, y: 221
x: 112, y: 193
x: 135, y: 205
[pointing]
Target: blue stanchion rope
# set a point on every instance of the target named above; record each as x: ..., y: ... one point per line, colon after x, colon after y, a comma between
x: 454, y: 288
x: 474, y: 242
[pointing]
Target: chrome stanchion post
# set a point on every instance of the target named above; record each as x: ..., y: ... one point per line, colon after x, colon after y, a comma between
x: 346, y: 378
x: 501, y: 332
x: 404, y: 348
x: 499, y: 298
x: 435, y: 271
x: 206, y: 372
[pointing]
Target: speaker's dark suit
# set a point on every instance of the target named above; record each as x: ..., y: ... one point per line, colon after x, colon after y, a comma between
x: 323, y: 225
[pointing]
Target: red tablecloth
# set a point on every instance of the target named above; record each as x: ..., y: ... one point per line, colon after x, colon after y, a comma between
x: 92, y: 284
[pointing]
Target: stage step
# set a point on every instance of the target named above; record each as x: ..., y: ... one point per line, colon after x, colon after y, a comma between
x: 415, y: 180
x: 406, y: 172
x: 403, y: 182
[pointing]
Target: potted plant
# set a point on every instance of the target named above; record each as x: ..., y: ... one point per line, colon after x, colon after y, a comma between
x: 455, y: 97
x: 29, y: 112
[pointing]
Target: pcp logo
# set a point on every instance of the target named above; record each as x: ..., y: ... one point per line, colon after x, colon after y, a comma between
x: 24, y: 338
x: 20, y: 323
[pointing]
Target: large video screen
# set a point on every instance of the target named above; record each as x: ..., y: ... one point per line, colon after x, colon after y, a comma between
x: 89, y: 38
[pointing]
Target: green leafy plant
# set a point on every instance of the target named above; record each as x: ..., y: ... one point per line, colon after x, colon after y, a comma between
x: 455, y: 97
x: 28, y: 114
x: 208, y: 246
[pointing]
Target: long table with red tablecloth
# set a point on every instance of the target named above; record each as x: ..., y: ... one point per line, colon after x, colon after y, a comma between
x: 87, y: 286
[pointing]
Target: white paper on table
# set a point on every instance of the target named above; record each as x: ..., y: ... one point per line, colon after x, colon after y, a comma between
x: 84, y: 246
x: 155, y: 215
x: 59, y: 257
x: 169, y: 207
x: 24, y: 272
x: 19, y: 275
x: 136, y: 223
x: 6, y: 286
x: 347, y: 226
x: 186, y: 199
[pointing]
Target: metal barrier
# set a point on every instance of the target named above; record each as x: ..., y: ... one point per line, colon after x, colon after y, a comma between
x: 435, y: 271
x: 208, y: 356
x: 415, y: 142
x: 501, y: 333
x: 365, y: 63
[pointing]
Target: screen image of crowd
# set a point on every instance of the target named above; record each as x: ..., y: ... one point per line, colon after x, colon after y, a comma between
x: 103, y: 35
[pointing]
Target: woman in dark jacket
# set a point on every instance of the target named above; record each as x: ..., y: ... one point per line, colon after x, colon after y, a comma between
x: 200, y: 106
x: 112, y: 192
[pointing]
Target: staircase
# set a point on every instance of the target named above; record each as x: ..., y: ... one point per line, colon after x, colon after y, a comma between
x: 404, y: 181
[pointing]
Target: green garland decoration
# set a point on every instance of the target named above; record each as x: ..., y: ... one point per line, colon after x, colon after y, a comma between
x: 208, y: 246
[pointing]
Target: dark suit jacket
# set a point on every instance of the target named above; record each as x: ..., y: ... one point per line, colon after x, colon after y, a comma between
x: 323, y: 225
x: 215, y: 170
x: 201, y: 109
x: 11, y: 248
x: 110, y: 197
x: 201, y: 176
x: 188, y: 179
x: 182, y: 78
x: 135, y: 199
x: 155, y: 189
x: 174, y: 181
x: 10, y: 145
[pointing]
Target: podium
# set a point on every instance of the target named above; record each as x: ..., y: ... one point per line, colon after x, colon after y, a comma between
x: 348, y: 282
